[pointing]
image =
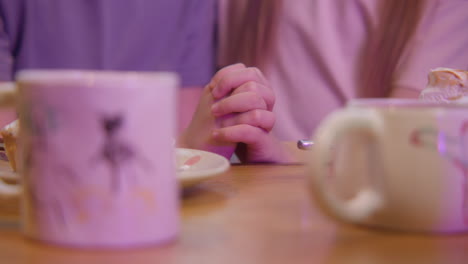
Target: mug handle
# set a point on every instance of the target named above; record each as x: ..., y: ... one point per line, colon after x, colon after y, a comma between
x: 8, y: 100
x: 343, y: 124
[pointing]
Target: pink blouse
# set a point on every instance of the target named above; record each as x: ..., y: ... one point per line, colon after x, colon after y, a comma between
x: 313, y: 67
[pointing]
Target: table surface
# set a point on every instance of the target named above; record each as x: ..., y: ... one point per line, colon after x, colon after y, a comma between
x: 251, y: 214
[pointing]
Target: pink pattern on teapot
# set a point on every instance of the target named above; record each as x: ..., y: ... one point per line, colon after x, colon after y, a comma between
x: 448, y: 146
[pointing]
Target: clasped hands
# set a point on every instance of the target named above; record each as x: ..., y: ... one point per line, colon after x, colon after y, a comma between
x: 235, y: 114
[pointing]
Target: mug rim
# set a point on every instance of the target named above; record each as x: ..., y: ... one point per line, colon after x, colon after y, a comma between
x: 402, y: 103
x: 35, y: 76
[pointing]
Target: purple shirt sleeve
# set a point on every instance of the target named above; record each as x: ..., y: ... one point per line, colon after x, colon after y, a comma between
x: 6, y: 60
x: 199, y: 52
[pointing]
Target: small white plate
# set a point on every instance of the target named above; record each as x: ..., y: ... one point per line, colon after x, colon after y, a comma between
x: 193, y: 166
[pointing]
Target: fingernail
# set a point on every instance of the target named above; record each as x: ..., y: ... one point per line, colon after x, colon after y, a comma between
x: 215, y: 108
x: 210, y: 86
x: 215, y: 96
x: 216, y: 93
x: 215, y: 134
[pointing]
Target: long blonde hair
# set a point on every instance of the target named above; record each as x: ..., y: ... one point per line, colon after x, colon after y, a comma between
x: 386, y: 43
x: 384, y: 46
x: 252, y: 26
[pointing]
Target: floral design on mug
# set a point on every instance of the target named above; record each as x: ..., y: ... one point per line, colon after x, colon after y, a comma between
x: 450, y: 147
x: 117, y: 152
x: 39, y: 124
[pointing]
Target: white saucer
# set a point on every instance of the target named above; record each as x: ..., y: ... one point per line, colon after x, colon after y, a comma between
x: 193, y: 166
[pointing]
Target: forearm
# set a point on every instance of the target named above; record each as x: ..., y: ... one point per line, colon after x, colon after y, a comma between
x: 404, y: 92
x: 196, y: 123
x: 188, y: 98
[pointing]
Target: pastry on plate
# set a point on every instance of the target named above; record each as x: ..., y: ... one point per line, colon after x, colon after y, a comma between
x: 446, y: 85
x: 10, y: 135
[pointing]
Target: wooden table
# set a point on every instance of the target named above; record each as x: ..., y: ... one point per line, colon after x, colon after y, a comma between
x: 254, y: 214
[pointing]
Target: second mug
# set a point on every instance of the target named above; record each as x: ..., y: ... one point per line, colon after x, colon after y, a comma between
x: 416, y: 162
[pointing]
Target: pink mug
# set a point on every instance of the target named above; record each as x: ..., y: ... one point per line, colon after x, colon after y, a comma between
x: 416, y: 165
x: 96, y: 157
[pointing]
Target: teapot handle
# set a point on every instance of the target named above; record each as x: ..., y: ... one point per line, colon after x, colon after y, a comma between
x: 345, y: 124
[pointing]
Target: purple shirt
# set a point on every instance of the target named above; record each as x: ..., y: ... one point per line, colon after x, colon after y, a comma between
x: 140, y: 35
